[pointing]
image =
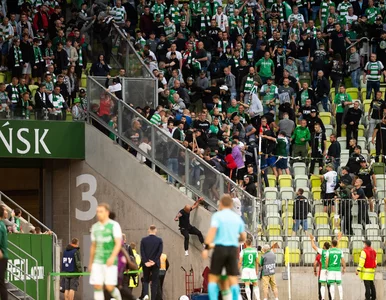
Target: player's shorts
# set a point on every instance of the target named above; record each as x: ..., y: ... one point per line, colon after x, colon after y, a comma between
x: 224, y: 257
x: 334, y: 277
x: 323, y: 276
x: 103, y: 275
x: 248, y: 275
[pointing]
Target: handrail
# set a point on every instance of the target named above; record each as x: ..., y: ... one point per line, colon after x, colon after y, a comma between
x: 118, y: 29
x: 36, y: 279
x: 358, y: 41
x: 160, y: 132
x: 55, y: 237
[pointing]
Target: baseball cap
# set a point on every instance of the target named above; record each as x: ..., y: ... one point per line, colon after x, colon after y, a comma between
x: 313, y: 110
x: 82, y: 91
x: 224, y: 87
x: 189, y: 78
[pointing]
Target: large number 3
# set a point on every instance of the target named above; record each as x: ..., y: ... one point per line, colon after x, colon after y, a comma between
x: 87, y: 196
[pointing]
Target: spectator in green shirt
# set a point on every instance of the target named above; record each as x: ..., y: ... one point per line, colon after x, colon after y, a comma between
x: 3, y: 252
x: 341, y: 101
x: 233, y: 108
x: 300, y: 137
x: 266, y: 67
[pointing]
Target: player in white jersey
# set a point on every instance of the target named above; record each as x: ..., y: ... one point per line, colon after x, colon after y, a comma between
x: 106, y: 241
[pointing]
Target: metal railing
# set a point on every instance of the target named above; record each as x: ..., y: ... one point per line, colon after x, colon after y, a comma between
x: 357, y: 42
x: 30, y: 218
x: 23, y: 275
x: 195, y: 175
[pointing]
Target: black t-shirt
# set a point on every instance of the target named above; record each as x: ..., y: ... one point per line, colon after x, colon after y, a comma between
x: 184, y: 220
x: 201, y: 53
x: 202, y: 125
x: 304, y: 47
x: 378, y: 106
x: 361, y: 193
x: 381, y: 130
x: 162, y: 49
x: 318, y: 142
x: 338, y: 40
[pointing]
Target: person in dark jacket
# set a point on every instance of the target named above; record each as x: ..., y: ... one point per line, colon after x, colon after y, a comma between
x: 42, y: 102
x: 334, y: 151
x: 151, y: 250
x: 313, y: 119
x: 24, y: 106
x: 300, y: 212
x: 352, y: 119
x: 305, y: 93
x: 355, y: 159
x: 71, y: 263
x: 61, y: 59
x: 322, y: 90
x: 100, y: 67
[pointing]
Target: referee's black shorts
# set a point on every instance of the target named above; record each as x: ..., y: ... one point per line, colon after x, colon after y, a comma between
x: 224, y: 257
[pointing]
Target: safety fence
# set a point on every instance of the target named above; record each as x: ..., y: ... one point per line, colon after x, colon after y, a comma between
x: 193, y: 175
x: 287, y: 224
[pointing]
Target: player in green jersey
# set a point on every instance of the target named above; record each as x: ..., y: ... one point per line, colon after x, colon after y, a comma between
x: 106, y: 237
x: 323, y: 257
x: 334, y: 275
x: 249, y: 264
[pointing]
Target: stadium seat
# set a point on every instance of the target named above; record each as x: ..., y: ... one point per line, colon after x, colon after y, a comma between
x: 361, y: 130
x: 343, y: 133
x: 293, y: 242
x: 271, y: 180
x: 306, y: 244
x: 343, y: 243
x: 357, y: 229
x: 325, y: 117
x: 287, y: 205
x: 373, y: 218
x: 272, y: 208
x: 83, y: 80
x: 381, y: 181
x: 363, y: 92
x: 318, y: 207
x: 329, y: 130
x: 379, y: 255
x: 274, y: 230
x: 33, y: 88
x: 315, y: 181
x: 356, y: 242
x: 287, y: 225
x: 299, y: 169
x: 321, y: 218
x: 276, y: 239
x: 346, y: 255
x: 376, y: 241
x: 382, y: 218
x: 293, y: 256
x: 322, y: 231
x: 309, y: 256
x: 279, y: 255
x: 362, y: 142
x: 301, y: 181
x: 379, y: 168
x: 285, y: 181
x: 356, y: 253
x: 323, y: 239
x: 342, y: 142
x: 366, y: 106
x: 271, y: 193
x: 286, y: 193
x: 344, y: 156
x: 353, y: 92
x: 381, y: 194
x: 316, y: 192
x: 273, y: 220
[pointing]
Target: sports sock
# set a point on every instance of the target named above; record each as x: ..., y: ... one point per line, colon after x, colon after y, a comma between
x: 98, y: 295
x: 340, y: 289
x: 226, y: 295
x: 116, y: 294
x: 332, y: 291
x: 322, y: 291
x: 256, y: 292
x: 248, y: 292
x: 235, y: 290
x: 213, y: 291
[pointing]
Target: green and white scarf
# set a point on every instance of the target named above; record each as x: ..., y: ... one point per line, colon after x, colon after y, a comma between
x: 195, y: 7
x: 80, y: 57
x: 249, y: 55
x: 204, y: 21
x: 22, y: 89
x: 174, y: 12
x: 219, y: 106
x: 233, y: 22
x: 15, y: 94
x: 236, y: 61
x: 249, y: 84
x: 48, y: 52
x: 57, y: 101
x: 312, y: 32
x: 230, y: 9
x: 38, y: 55
x: 18, y: 57
x: 159, y: 9
x: 247, y: 19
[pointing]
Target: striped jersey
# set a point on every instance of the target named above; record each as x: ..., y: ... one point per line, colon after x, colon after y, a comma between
x: 374, y: 70
x: 120, y: 13
x: 325, y: 7
x: 343, y: 8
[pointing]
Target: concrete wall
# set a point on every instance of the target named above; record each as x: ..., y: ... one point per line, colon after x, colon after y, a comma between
x: 304, y: 285
x: 137, y: 195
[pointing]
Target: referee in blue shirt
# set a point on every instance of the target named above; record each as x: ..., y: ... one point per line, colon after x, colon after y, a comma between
x: 227, y: 230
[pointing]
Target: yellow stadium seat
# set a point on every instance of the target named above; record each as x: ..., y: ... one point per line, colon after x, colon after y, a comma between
x: 290, y: 205
x: 379, y: 256
x: 343, y: 243
x: 271, y: 180
x: 356, y: 253
x: 274, y: 230
x: 316, y: 193
x: 83, y: 80
x: 361, y: 130
x: 2, y: 77
x: 366, y: 105
x: 353, y: 92
x: 343, y: 131
x: 315, y: 181
x: 382, y: 218
x: 332, y: 94
x: 285, y: 181
x: 325, y: 117
x: 364, y: 91
x: 294, y: 256
x: 321, y: 218
x: 287, y: 225
x: 324, y: 239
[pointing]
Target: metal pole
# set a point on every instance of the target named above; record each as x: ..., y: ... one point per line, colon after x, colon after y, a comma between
x: 259, y: 183
x: 25, y: 278
x: 288, y: 263
x: 187, y: 169
x: 152, y: 152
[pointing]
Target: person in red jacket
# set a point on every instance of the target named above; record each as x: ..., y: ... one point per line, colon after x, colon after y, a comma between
x: 231, y: 164
x: 41, y: 18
